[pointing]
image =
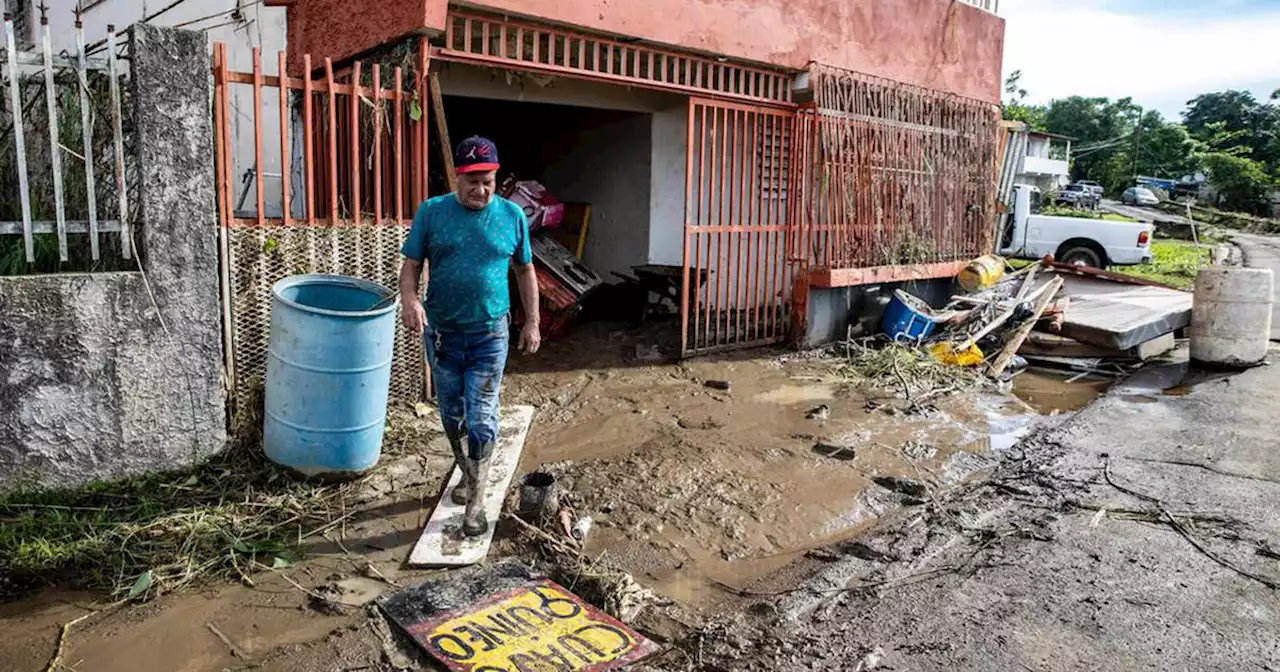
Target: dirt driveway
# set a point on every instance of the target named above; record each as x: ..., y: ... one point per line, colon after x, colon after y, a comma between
x: 697, y: 492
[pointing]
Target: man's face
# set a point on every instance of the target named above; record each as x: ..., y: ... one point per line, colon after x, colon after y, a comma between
x: 475, y: 189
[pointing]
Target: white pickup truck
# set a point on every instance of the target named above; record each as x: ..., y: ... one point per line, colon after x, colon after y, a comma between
x: 1090, y: 242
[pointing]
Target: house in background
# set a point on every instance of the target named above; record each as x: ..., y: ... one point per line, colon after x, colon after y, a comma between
x: 1047, y: 162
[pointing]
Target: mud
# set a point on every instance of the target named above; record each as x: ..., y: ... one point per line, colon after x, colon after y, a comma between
x: 698, y: 492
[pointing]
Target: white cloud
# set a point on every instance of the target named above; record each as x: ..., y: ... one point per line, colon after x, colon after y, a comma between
x: 1159, y: 58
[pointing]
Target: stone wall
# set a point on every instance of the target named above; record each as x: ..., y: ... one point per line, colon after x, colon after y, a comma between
x: 104, y: 375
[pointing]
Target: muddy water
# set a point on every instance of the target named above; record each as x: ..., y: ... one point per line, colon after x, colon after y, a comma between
x: 170, y: 635
x: 692, y: 488
x: 1050, y: 393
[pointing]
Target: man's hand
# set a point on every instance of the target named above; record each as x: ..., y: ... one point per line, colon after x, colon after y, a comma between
x: 411, y: 314
x: 530, y: 338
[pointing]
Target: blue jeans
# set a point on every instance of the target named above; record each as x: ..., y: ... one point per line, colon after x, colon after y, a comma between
x: 466, y: 371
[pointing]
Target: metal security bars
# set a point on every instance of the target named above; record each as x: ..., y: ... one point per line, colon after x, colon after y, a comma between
x: 494, y: 41
x: 41, y: 163
x: 992, y: 6
x: 892, y: 174
x: 349, y: 147
x: 736, y: 283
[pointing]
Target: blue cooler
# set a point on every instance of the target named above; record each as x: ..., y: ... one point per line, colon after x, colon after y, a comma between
x: 907, y: 318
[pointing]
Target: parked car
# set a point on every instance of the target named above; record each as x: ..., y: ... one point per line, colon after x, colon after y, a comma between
x: 1078, y: 195
x: 1073, y: 240
x: 1139, y: 196
x: 1093, y: 186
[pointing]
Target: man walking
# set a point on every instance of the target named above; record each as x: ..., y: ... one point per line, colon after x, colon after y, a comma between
x: 468, y: 239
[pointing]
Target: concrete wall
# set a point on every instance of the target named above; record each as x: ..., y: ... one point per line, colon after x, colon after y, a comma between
x: 833, y: 310
x: 96, y: 380
x: 606, y: 164
x: 473, y: 82
x: 667, y: 191
x: 940, y: 44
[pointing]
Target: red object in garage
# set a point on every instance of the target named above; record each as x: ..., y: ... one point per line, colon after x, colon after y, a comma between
x: 558, y: 304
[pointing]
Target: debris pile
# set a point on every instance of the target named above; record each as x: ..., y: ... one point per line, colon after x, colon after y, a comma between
x: 1046, y: 315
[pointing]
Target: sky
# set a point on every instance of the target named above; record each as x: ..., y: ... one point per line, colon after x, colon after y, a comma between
x: 1161, y: 53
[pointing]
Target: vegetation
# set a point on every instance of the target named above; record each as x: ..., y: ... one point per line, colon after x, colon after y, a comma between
x: 1061, y: 211
x: 1229, y: 136
x: 1175, y: 263
x: 230, y: 516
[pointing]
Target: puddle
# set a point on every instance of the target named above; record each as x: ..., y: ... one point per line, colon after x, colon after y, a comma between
x: 1050, y: 393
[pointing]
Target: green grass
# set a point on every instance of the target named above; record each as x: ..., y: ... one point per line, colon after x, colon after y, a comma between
x: 1061, y: 211
x: 1175, y: 264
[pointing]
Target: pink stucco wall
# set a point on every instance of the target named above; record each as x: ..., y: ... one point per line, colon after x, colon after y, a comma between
x: 939, y: 44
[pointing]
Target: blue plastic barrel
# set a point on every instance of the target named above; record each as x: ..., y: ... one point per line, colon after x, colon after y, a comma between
x: 328, y: 372
x: 907, y: 318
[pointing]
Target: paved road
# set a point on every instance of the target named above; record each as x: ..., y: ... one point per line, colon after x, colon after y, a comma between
x: 1141, y: 214
x: 1263, y: 252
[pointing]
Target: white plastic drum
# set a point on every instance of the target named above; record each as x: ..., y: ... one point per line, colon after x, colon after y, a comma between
x: 1231, y: 316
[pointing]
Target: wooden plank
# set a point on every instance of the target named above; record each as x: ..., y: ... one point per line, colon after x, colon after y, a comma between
x: 442, y: 132
x: 117, y: 139
x: 1122, y: 316
x: 1020, y: 334
x: 86, y: 131
x: 848, y: 277
x: 442, y: 543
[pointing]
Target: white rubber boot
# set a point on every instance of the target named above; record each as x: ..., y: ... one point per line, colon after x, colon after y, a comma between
x: 475, y: 523
x: 459, y: 494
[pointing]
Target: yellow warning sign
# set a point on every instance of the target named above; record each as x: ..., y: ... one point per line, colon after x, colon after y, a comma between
x: 536, y: 627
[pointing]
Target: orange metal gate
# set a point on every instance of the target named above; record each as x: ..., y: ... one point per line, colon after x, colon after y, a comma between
x: 736, y: 281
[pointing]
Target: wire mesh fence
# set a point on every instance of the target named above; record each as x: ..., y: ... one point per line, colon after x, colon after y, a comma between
x: 261, y: 256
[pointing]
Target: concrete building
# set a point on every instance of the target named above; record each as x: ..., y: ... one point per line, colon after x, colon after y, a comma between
x: 601, y: 100
x: 1047, y: 163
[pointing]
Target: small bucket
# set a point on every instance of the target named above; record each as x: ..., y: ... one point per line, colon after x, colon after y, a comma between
x: 538, y: 496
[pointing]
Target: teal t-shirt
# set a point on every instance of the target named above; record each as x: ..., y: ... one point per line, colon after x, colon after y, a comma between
x: 467, y: 253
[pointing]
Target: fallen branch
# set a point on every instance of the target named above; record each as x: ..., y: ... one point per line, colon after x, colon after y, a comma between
x: 1206, y: 467
x: 1182, y: 530
x: 56, y: 661
x: 235, y: 650
x: 310, y: 593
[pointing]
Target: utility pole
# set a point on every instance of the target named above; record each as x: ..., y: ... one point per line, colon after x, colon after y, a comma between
x: 1137, y: 143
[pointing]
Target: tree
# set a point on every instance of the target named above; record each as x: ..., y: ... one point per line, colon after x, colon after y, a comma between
x: 1101, y: 129
x: 1163, y: 149
x: 1016, y: 109
x: 1258, y: 124
x: 1242, y: 183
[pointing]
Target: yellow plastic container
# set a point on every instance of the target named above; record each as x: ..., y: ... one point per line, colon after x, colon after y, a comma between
x: 981, y: 273
x: 948, y: 354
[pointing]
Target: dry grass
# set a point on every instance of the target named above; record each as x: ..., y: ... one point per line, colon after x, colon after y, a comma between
x: 147, y: 535
x: 900, y: 368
